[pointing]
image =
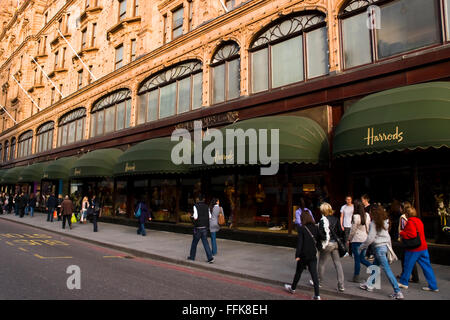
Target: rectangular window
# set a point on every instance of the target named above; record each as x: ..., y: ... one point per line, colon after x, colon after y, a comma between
x: 164, y: 29
x: 177, y: 23
x: 317, y: 56
x: 50, y: 140
x: 152, y: 109
x: 52, y: 98
x: 219, y: 83
x: 83, y: 38
x: 94, y: 34
x: 184, y: 95
x: 80, y: 79
x: 407, y: 25
x: 197, y: 92
x: 89, y: 75
x: 99, y: 127
x: 71, y: 133
x: 79, y: 135
x: 260, y: 70
x: 56, y: 59
x: 136, y: 8
x: 122, y: 10
x: 64, y: 135
x: 109, y: 119
x: 60, y: 90
x: 119, y: 57
x: 133, y: 50
x: 142, y: 109
x: 63, y: 58
x: 234, y: 79
x: 168, y: 100
x: 356, y: 41
x: 191, y: 14
x: 287, y: 62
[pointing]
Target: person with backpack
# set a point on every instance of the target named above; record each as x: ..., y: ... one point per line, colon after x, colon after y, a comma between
x: 358, y: 234
x: 416, y: 250
x: 215, y: 210
x: 380, y: 238
x: 143, y: 214
x: 306, y: 253
x: 331, y: 233
x: 201, y: 218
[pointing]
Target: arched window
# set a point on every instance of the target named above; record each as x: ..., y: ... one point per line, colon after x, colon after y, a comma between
x: 25, y: 144
x: 291, y: 50
x: 373, y: 30
x: 171, y: 91
x: 5, y: 154
x: 111, y: 113
x: 12, y: 156
x: 71, y: 127
x: 226, y: 73
x: 44, y: 137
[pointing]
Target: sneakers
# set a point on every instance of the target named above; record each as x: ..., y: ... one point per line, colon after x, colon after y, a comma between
x: 312, y: 283
x: 397, y: 296
x: 402, y: 286
x: 364, y: 286
x: 429, y: 289
x: 346, y: 255
x: 316, y: 298
x: 211, y: 261
x: 341, y: 287
x: 189, y: 258
x: 289, y: 288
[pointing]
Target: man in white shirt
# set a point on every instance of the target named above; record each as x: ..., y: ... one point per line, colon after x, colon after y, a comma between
x: 346, y: 219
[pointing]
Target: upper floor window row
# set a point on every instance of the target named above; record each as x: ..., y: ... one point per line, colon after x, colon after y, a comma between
x: 374, y: 30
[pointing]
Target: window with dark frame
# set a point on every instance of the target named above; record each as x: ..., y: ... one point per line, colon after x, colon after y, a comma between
x: 290, y: 50
x: 25, y: 144
x: 122, y: 9
x: 94, y: 34
x: 136, y: 8
x: 119, y: 57
x: 133, y: 50
x: 56, y: 59
x: 225, y: 73
x: 177, y: 22
x: 71, y: 127
x: 12, y: 155
x: 407, y: 26
x: 111, y: 113
x: 83, y: 38
x: 6, y: 152
x: 190, y: 14
x: 44, y: 137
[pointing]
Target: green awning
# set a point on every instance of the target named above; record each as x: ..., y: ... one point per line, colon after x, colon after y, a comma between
x: 95, y: 164
x: 59, y: 169
x: 411, y: 117
x: 301, y: 141
x: 149, y: 157
x: 32, y: 173
x: 11, y: 176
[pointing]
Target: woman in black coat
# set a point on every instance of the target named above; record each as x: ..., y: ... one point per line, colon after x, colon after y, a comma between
x: 306, y: 254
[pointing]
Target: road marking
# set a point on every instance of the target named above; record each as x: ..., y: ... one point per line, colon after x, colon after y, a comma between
x: 119, y: 257
x: 10, y: 243
x: 23, y: 249
x: 41, y: 257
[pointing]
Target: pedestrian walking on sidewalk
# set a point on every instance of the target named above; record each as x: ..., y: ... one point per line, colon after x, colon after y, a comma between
x: 144, y: 216
x: 96, y: 211
x: 214, y: 209
x: 414, y: 228
x: 201, y: 218
x: 22, y: 203
x: 16, y: 204
x: 59, y: 202
x: 358, y: 234
x: 66, y: 212
x: 298, y: 214
x: 306, y: 253
x: 330, y: 229
x: 51, y: 205
x: 379, y: 236
x: 32, y: 204
x: 346, y: 219
x: 84, y: 209
x: 401, y: 226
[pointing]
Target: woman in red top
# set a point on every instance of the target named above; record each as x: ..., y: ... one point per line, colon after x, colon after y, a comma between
x: 419, y: 254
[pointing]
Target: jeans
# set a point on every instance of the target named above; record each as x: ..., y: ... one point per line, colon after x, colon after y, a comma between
x: 312, y: 266
x: 346, y: 236
x: 141, y: 229
x: 27, y: 210
x: 200, y: 233
x: 331, y: 251
x: 50, y: 214
x: 359, y: 258
x: 16, y: 209
x: 423, y: 259
x: 415, y: 274
x: 381, y: 260
x: 31, y: 210
x: 213, y: 243
x: 64, y: 218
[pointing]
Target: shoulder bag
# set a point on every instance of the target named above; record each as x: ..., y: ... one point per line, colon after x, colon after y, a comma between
x: 341, y: 247
x: 221, y: 218
x: 413, y: 243
x: 318, y: 247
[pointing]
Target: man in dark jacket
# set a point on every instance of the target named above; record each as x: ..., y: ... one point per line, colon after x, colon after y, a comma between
x: 201, y: 218
x: 146, y: 215
x: 51, y: 205
x: 66, y: 212
x: 22, y: 201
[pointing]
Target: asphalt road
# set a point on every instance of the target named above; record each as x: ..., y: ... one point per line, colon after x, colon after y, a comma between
x: 36, y: 264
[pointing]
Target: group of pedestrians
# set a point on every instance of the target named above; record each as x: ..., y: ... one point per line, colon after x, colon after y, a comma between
x: 22, y: 203
x: 361, y: 226
x: 63, y: 209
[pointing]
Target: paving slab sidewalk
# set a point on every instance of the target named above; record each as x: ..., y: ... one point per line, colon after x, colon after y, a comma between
x: 272, y: 264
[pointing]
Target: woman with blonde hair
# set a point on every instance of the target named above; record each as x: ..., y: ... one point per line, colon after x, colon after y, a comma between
x: 84, y: 209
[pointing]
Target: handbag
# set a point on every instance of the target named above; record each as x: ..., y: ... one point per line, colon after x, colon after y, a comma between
x: 73, y: 219
x: 55, y: 214
x: 391, y: 256
x: 221, y: 218
x: 413, y: 243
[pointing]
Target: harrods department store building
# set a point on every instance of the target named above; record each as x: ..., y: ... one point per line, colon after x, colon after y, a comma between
x: 91, y: 91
